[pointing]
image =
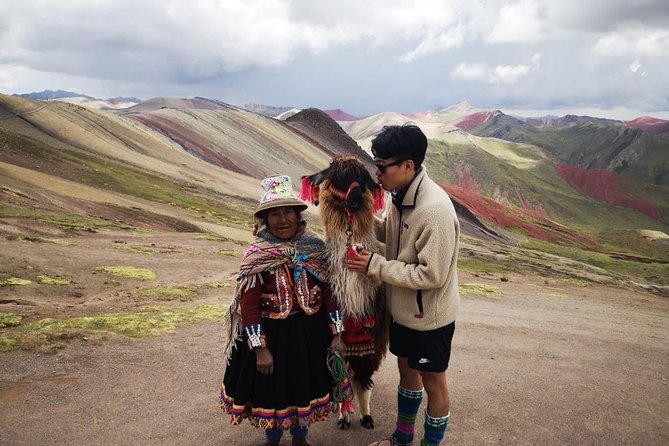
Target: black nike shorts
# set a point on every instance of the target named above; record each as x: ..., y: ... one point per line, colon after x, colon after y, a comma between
x: 427, y: 351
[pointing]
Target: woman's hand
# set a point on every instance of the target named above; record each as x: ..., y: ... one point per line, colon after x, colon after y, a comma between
x: 264, y: 361
x: 337, y: 343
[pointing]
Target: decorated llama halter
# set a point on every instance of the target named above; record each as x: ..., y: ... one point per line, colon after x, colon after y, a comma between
x: 310, y: 193
x: 343, y: 196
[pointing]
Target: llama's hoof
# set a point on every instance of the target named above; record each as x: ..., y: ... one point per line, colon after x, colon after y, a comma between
x: 343, y: 424
x: 367, y: 422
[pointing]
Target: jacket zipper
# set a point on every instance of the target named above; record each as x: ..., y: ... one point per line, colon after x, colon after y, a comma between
x: 419, y: 302
x: 399, y: 236
x: 419, y: 293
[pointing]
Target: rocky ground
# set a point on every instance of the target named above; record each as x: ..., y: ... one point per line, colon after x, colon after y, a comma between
x: 536, y: 359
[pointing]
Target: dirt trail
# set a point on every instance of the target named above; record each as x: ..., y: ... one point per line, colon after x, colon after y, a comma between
x: 545, y: 363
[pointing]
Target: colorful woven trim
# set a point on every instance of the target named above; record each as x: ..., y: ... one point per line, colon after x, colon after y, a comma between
x: 318, y: 410
x: 359, y: 349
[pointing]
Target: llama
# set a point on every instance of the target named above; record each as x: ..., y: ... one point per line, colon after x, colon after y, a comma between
x: 348, y: 198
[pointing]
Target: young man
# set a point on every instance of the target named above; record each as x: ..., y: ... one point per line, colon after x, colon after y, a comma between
x: 421, y: 232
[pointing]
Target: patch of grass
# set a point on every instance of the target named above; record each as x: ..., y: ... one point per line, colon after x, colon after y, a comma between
x: 148, y: 322
x: 29, y: 239
x: 230, y: 253
x: 9, y: 320
x: 225, y: 284
x: 62, y: 220
x: 59, y: 241
x: 9, y: 191
x: 577, y: 282
x: 128, y: 271
x: 23, y: 238
x: 139, y: 249
x: 7, y: 344
x: 480, y: 289
x: 14, y: 281
x: 653, y: 234
x: 116, y: 177
x: 481, y: 265
x: 654, y: 272
x: 53, y: 280
x: 49, y: 335
x: 181, y: 293
x: 633, y: 243
x: 212, y: 237
x: 558, y: 295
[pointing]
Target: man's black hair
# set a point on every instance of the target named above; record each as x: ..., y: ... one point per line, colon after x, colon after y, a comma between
x: 401, y: 142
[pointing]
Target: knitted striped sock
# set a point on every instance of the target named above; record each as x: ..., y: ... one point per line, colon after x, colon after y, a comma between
x: 408, y: 402
x: 435, y: 429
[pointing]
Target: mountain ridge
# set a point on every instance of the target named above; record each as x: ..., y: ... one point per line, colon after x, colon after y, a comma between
x: 179, y: 168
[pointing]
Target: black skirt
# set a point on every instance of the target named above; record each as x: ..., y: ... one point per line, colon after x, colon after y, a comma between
x: 298, y: 392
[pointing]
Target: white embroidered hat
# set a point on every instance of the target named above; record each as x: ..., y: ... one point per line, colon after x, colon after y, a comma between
x: 277, y: 192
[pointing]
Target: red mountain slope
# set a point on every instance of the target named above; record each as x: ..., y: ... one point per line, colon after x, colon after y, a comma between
x: 511, y: 217
x: 650, y: 125
x: 340, y: 115
x: 606, y: 186
x: 474, y: 120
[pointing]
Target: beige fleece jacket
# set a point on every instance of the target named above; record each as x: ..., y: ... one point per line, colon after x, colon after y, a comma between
x: 420, y: 266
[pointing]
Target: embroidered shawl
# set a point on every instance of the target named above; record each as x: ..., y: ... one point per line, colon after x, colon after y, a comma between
x: 267, y: 253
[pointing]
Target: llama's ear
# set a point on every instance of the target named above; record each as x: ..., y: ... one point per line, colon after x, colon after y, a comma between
x: 310, y: 188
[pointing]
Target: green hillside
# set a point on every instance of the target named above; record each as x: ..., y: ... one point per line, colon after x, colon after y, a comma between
x: 517, y: 174
x: 614, y: 147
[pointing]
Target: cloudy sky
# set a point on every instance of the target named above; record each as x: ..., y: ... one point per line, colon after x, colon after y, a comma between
x: 607, y: 58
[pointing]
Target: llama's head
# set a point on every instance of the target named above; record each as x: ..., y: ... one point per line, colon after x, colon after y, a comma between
x: 344, y: 190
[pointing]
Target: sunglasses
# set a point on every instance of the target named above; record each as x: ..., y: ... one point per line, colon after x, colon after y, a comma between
x: 382, y: 167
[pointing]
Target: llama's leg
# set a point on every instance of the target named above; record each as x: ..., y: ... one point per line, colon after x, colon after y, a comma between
x: 362, y: 384
x: 363, y: 397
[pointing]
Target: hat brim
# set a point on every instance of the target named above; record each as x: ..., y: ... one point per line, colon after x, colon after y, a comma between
x: 291, y: 202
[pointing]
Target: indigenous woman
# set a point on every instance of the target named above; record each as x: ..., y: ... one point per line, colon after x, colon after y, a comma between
x: 280, y: 323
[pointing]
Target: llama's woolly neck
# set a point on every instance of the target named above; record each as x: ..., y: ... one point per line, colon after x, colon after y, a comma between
x: 354, y: 291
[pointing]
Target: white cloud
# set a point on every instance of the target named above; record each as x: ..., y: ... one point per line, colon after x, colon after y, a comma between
x: 508, y: 74
x: 518, y: 22
x: 636, y: 40
x: 612, y: 44
x: 435, y: 43
x: 7, y: 81
x: 498, y: 74
x: 470, y: 71
x: 634, y: 66
x: 344, y: 51
x: 208, y: 38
